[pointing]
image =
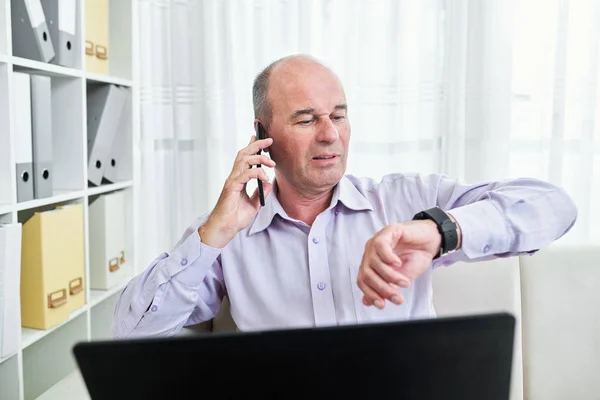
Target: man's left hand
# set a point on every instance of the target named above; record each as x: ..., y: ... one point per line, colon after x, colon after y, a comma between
x: 395, y: 257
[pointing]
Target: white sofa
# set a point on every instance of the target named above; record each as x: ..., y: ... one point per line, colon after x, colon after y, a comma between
x: 555, y: 297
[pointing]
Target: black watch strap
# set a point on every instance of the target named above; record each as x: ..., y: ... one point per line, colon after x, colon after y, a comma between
x: 446, y: 227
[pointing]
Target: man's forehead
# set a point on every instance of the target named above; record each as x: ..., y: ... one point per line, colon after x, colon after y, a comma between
x: 303, y: 89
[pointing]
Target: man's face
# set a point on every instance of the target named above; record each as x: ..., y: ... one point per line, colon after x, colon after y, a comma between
x: 309, y: 126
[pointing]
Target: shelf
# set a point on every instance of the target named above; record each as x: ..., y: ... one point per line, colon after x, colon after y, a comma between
x: 26, y: 65
x: 6, y: 358
x: 44, y: 366
x: 9, y: 378
x: 92, y: 191
x: 108, y: 79
x: 98, y: 296
x: 71, y: 387
x: 6, y: 171
x: 57, y: 198
x: 5, y: 208
x: 30, y: 336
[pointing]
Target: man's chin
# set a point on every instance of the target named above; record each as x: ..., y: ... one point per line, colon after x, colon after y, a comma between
x: 329, y: 178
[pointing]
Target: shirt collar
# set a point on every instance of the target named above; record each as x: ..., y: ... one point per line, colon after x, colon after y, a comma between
x: 349, y: 195
x: 344, y: 192
x: 266, y: 213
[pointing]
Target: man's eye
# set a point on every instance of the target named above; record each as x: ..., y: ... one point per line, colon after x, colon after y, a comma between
x: 305, y: 122
x: 338, y: 117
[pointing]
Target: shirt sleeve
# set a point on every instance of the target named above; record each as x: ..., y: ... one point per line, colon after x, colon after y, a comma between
x: 504, y: 218
x: 176, y: 289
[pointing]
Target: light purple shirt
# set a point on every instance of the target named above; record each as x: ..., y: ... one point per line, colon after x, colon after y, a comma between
x: 281, y: 273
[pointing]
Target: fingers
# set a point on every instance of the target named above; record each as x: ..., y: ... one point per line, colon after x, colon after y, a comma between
x: 383, y: 247
x: 253, y: 173
x: 255, y: 199
x: 380, y: 303
x: 388, y: 273
x: 380, y: 276
x: 253, y: 147
x: 386, y: 262
x: 371, y: 297
x: 250, y: 161
x: 242, y: 171
x: 248, y: 157
x: 376, y: 290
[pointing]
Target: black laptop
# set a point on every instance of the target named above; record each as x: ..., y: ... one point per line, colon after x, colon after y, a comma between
x: 465, y: 358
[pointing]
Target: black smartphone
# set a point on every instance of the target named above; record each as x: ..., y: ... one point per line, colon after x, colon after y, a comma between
x: 260, y: 134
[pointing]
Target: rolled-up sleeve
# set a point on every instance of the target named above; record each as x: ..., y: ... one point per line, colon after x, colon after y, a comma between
x: 504, y: 218
x: 160, y: 300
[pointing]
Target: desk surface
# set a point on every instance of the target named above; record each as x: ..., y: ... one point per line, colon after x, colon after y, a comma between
x: 72, y: 387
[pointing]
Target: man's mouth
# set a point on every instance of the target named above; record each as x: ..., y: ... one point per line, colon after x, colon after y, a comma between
x: 325, y: 157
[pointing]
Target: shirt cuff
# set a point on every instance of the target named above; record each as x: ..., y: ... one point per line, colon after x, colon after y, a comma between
x: 484, y: 230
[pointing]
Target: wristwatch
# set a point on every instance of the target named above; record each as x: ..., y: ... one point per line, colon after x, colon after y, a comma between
x: 445, y: 226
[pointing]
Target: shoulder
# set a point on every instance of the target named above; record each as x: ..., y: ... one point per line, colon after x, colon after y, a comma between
x: 395, y: 181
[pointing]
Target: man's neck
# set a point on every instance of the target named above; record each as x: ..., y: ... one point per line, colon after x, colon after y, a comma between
x: 302, y: 206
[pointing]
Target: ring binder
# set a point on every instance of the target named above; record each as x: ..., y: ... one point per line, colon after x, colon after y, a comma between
x: 62, y: 24
x: 30, y: 31
x: 41, y: 123
x: 104, y: 106
x: 23, y: 136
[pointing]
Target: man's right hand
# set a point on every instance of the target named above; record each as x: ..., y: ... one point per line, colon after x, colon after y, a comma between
x: 235, y: 209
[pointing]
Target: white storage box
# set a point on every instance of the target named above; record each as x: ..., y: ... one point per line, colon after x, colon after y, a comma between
x: 108, y: 261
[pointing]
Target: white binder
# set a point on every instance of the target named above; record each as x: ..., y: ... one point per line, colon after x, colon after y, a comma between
x: 41, y: 115
x: 104, y: 105
x: 109, y: 262
x: 10, y: 300
x: 62, y: 23
x: 31, y: 37
x: 23, y: 138
x: 119, y: 164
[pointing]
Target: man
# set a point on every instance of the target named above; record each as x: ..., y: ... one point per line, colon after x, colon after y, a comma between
x: 329, y: 248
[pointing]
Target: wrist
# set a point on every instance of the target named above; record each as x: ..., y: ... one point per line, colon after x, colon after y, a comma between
x: 213, y: 236
x: 458, y: 231
x: 448, y: 231
x: 435, y: 245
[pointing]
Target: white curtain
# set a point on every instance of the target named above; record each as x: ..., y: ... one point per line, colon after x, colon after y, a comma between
x: 478, y: 90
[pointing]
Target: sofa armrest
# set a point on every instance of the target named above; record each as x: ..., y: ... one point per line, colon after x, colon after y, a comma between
x: 479, y: 288
x: 561, y: 323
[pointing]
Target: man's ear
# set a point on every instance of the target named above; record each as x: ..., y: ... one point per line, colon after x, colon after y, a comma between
x: 264, y: 134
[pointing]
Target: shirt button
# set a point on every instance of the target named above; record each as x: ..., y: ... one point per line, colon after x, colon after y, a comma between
x: 321, y: 286
x: 316, y: 240
x: 163, y: 256
x: 183, y: 261
x: 486, y: 249
x: 153, y: 308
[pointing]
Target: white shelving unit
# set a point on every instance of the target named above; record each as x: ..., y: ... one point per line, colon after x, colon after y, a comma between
x: 44, y: 366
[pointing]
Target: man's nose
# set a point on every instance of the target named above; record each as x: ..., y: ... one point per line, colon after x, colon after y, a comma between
x: 327, y: 132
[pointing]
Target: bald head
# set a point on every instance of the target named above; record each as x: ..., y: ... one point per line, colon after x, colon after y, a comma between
x: 284, y: 70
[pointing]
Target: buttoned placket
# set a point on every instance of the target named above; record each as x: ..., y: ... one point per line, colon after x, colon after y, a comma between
x: 318, y: 266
